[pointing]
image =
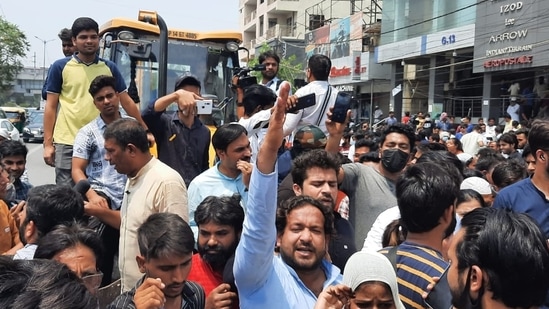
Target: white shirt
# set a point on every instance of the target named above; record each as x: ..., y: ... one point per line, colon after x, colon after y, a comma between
x: 310, y: 115
x: 470, y: 142
x: 513, y: 111
x: 256, y: 128
x: 373, y: 241
x: 514, y: 89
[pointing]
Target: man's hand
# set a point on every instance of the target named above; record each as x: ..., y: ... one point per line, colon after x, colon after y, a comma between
x: 267, y: 155
x: 96, y: 200
x: 16, y: 211
x: 49, y: 155
x: 149, y: 295
x: 246, y: 169
x: 336, y: 128
x: 186, y: 101
x: 334, y: 297
x: 291, y: 102
x: 221, y: 297
x: 335, y: 131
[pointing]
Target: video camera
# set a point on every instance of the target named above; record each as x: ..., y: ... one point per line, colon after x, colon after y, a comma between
x: 244, y: 77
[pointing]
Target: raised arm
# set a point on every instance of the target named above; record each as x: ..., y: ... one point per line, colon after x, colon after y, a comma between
x: 256, y: 248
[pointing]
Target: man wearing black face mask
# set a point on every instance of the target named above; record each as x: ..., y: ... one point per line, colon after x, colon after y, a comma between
x: 371, y: 188
x: 499, y: 259
x: 426, y: 193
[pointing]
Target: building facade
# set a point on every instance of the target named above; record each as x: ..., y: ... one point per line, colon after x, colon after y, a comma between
x: 462, y: 56
x: 27, y: 86
x: 345, y: 31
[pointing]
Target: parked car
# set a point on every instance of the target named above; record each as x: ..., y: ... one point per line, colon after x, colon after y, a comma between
x: 12, y: 130
x: 35, y: 127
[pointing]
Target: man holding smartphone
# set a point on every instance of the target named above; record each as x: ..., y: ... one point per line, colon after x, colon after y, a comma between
x: 182, y: 140
x: 318, y: 70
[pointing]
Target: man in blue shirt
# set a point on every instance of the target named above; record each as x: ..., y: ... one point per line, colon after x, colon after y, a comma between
x: 530, y: 195
x: 106, y: 192
x: 295, y: 277
x: 228, y: 176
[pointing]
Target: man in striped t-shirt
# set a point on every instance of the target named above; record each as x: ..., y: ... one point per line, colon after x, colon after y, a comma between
x: 426, y: 193
x: 166, y: 245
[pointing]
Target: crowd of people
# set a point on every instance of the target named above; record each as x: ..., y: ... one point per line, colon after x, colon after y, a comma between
x: 420, y: 213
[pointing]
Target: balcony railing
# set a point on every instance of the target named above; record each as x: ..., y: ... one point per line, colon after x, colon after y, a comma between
x: 250, y: 17
x: 279, y: 31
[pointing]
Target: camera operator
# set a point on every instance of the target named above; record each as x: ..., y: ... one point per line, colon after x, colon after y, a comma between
x: 271, y: 61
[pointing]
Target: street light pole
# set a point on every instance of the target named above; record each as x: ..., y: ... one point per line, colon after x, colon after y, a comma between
x: 44, y: 59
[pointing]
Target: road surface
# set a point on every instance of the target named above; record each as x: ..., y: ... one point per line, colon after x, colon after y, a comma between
x: 39, y: 172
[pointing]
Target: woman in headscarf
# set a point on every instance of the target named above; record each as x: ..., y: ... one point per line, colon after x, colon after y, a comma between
x: 369, y: 281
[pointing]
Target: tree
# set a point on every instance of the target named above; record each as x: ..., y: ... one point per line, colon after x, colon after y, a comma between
x: 287, y: 70
x: 13, y: 47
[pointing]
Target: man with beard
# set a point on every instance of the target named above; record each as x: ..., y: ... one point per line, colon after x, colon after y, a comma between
x: 271, y: 61
x: 300, y: 228
x: 229, y: 175
x: 219, y: 221
x: 314, y: 174
x: 499, y: 260
x: 165, y: 256
x: 426, y: 193
x: 68, y: 105
x: 371, y: 188
x: 46, y: 207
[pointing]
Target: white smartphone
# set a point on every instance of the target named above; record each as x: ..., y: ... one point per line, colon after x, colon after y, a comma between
x: 204, y: 107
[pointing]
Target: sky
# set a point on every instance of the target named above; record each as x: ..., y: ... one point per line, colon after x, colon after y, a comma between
x: 44, y: 19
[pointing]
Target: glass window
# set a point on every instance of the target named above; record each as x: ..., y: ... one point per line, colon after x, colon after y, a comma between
x: 406, y: 19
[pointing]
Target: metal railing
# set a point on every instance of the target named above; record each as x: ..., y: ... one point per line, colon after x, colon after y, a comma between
x: 279, y: 31
x: 249, y: 17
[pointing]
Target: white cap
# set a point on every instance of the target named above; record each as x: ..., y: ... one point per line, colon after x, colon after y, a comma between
x: 478, y: 184
x: 464, y: 157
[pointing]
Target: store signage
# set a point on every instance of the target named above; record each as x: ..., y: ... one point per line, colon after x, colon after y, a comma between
x: 508, y: 34
x: 505, y: 62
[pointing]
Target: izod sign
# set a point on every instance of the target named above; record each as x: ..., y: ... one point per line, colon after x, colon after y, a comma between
x: 509, y: 35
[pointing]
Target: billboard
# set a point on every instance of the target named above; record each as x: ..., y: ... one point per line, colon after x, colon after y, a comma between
x: 318, y: 42
x: 340, y: 34
x: 511, y: 35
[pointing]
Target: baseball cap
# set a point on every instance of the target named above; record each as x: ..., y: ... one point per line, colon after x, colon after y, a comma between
x: 477, y: 184
x: 310, y: 136
x: 187, y: 79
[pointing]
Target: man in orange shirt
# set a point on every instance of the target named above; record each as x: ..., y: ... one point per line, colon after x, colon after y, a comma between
x: 219, y: 221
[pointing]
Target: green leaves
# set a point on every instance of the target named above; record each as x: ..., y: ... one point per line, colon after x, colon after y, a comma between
x: 287, y: 70
x: 13, y: 47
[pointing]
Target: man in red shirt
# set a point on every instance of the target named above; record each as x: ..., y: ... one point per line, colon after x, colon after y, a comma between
x: 219, y: 221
